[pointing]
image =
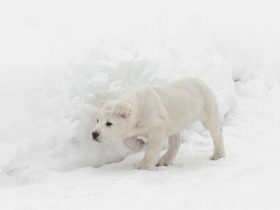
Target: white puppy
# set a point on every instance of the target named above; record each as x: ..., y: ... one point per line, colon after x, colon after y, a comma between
x: 159, y: 113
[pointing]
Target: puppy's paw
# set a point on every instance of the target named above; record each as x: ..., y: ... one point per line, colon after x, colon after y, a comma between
x: 140, y: 142
x: 216, y: 156
x: 144, y: 166
x: 135, y: 145
x: 164, y: 161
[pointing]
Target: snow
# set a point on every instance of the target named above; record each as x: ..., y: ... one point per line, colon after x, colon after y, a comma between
x: 60, y: 59
x: 247, y: 179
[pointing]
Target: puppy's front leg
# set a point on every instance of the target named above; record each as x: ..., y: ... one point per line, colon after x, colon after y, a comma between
x: 152, y: 152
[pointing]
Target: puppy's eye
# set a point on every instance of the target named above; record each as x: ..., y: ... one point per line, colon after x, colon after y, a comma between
x: 97, y: 120
x: 108, y: 124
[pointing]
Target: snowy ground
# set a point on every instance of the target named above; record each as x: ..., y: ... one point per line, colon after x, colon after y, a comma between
x: 248, y: 178
x: 60, y: 59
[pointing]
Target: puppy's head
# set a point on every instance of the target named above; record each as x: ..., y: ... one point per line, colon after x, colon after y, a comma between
x: 112, y: 122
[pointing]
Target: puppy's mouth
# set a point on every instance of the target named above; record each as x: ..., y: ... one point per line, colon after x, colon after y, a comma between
x: 95, y: 136
x: 96, y: 140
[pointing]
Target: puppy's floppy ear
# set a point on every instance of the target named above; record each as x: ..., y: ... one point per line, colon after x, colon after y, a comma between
x: 122, y: 109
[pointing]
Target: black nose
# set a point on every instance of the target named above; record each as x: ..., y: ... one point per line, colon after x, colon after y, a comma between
x: 95, y: 135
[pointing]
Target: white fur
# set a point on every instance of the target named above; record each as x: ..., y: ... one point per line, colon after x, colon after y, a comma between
x: 159, y: 113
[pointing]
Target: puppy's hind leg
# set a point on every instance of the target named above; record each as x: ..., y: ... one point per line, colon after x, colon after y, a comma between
x: 169, y: 156
x: 216, y: 132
